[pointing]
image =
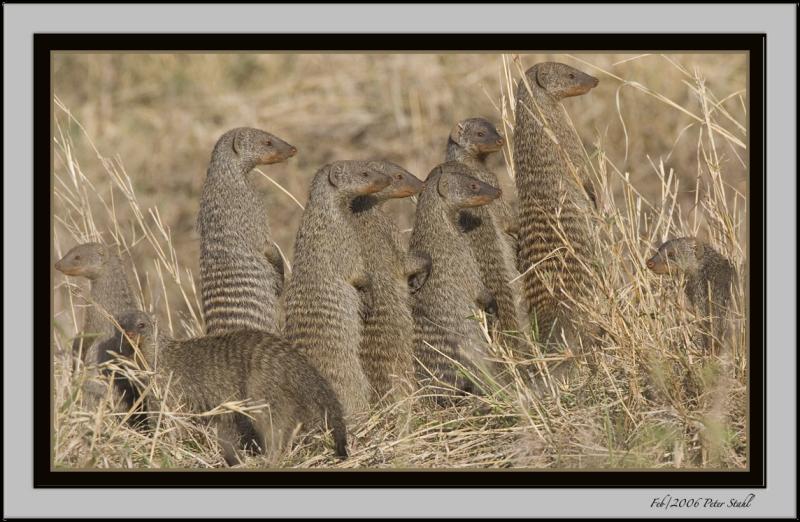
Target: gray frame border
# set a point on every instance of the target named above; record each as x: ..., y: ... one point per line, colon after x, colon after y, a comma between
x: 21, y: 21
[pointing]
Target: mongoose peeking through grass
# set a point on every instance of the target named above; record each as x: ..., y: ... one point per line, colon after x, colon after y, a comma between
x: 555, y: 202
x: 488, y: 227
x: 241, y: 268
x: 110, y: 293
x: 325, y: 298
x: 708, y: 277
x: 387, y: 344
x: 252, y: 366
x: 445, y: 305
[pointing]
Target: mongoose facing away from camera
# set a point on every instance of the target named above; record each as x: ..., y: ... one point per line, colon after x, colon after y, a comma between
x: 554, y: 205
x: 488, y: 227
x: 445, y: 305
x: 110, y: 293
x: 253, y: 366
x: 325, y: 298
x: 241, y: 268
x: 387, y: 343
x: 708, y: 277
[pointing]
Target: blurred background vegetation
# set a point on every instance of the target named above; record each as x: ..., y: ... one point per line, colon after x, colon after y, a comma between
x: 160, y: 115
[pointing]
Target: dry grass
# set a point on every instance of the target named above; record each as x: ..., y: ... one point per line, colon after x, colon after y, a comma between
x: 666, y: 138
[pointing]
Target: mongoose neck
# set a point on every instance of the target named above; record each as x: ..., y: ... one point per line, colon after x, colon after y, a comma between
x: 456, y: 152
x: 365, y: 203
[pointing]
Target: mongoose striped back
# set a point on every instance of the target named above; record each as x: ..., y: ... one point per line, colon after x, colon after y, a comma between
x: 554, y: 232
x: 241, y: 269
x: 324, y: 309
x: 445, y: 331
x: 254, y: 366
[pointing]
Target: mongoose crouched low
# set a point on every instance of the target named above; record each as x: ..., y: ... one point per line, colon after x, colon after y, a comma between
x: 489, y: 227
x: 708, y: 277
x: 325, y: 298
x: 241, y: 268
x: 252, y: 366
x: 555, y: 204
x: 446, y: 334
x: 387, y: 344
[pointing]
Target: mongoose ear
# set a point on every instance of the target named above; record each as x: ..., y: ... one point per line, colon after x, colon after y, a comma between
x: 441, y: 185
x: 541, y: 77
x: 335, y: 175
x: 238, y: 142
x: 457, y: 132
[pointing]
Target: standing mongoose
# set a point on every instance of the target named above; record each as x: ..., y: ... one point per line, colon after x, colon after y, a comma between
x: 324, y: 299
x: 241, y: 268
x: 445, y: 304
x: 253, y: 366
x: 110, y: 293
x: 488, y: 227
x: 387, y: 343
x: 708, y: 278
x: 555, y: 244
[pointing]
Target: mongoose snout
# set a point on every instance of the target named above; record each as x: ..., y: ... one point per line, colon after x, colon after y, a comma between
x: 561, y: 80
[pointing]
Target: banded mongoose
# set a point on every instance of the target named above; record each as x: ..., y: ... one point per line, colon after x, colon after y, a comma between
x: 708, y: 277
x: 445, y: 305
x: 252, y: 366
x: 110, y: 293
x: 488, y: 227
x: 324, y: 299
x: 387, y: 343
x: 555, y: 244
x: 241, y: 268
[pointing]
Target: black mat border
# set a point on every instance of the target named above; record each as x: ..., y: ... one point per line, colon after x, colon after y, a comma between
x: 45, y: 477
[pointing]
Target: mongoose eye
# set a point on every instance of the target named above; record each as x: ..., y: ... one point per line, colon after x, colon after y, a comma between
x: 140, y: 326
x: 269, y: 143
x: 571, y: 76
x: 398, y: 177
x: 365, y: 174
x: 474, y: 186
x: 77, y: 257
x: 481, y: 134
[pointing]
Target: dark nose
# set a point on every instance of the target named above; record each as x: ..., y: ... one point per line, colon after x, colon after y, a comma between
x: 595, y: 81
x: 293, y: 151
x: 500, y: 140
x: 650, y: 263
x: 59, y: 265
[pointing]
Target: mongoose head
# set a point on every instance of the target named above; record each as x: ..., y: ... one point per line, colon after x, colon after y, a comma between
x: 355, y: 178
x: 477, y: 136
x: 560, y: 80
x: 86, y: 260
x: 458, y: 188
x: 140, y: 329
x: 681, y: 255
x: 402, y: 183
x: 256, y: 147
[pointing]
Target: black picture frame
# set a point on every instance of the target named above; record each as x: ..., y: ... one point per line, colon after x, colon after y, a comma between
x: 47, y: 477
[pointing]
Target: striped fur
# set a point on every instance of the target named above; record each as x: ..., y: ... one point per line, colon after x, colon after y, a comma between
x: 247, y: 365
x: 554, y: 231
x: 445, y: 306
x: 241, y: 270
x: 323, y: 299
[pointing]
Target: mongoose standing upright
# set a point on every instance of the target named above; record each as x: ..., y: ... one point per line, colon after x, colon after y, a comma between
x: 444, y: 305
x: 708, y: 278
x: 241, y: 268
x: 488, y: 227
x: 254, y: 366
x: 324, y: 299
x: 110, y: 293
x: 554, y: 200
x: 387, y: 344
